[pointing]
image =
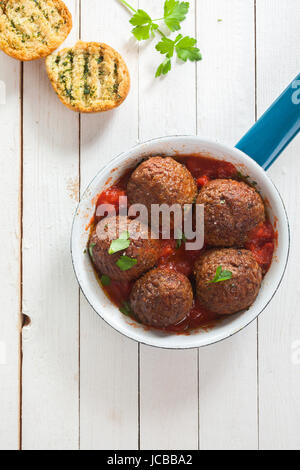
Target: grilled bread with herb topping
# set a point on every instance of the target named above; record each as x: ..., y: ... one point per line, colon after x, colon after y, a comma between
x: 89, y: 77
x: 31, y: 29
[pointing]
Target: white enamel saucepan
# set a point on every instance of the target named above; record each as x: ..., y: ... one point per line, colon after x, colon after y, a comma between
x: 252, y: 156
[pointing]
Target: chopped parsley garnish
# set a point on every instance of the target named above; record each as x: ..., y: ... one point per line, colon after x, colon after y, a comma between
x: 221, y: 276
x: 125, y: 309
x: 105, y: 280
x: 86, y: 89
x: 125, y: 263
x: 245, y: 179
x: 91, y: 247
x: 181, y: 238
x: 122, y: 243
x: 86, y: 65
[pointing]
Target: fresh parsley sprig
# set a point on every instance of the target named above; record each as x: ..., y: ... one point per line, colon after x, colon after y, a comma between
x: 174, y: 13
x: 185, y: 50
x: 221, y: 276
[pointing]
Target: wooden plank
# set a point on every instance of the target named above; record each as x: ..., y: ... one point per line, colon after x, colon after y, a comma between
x: 9, y: 250
x: 168, y: 379
x: 278, y: 62
x: 50, y: 292
x: 226, y: 109
x: 108, y: 361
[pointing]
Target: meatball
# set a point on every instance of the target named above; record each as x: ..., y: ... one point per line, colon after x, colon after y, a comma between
x: 235, y: 294
x: 231, y: 210
x: 143, y: 248
x: 162, y: 297
x: 161, y: 180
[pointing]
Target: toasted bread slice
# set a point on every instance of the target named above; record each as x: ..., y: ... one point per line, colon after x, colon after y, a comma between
x: 31, y: 29
x: 89, y: 77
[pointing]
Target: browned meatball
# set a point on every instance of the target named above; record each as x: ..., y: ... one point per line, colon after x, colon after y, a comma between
x: 162, y: 297
x: 235, y: 294
x: 143, y: 247
x: 161, y: 180
x: 231, y: 210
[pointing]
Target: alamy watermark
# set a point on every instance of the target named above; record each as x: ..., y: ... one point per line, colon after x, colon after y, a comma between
x: 163, y: 219
x: 295, y: 357
x: 296, y: 94
x: 2, y: 92
x: 3, y: 356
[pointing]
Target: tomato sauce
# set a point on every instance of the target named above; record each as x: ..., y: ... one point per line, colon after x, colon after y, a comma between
x: 208, y: 168
x: 174, y: 255
x: 261, y: 242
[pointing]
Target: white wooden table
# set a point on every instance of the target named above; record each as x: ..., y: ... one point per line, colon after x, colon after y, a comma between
x: 67, y: 380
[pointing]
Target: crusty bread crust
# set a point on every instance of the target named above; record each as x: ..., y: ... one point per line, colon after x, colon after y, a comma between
x: 90, y: 77
x: 31, y: 29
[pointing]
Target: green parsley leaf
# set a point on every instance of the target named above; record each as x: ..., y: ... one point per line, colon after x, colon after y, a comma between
x: 166, y: 46
x: 125, y: 263
x: 221, y: 276
x: 125, y: 309
x: 164, y: 68
x: 186, y: 50
x: 144, y: 25
x: 181, y: 238
x: 122, y: 243
x: 141, y: 33
x: 178, y: 243
x: 105, y: 280
x: 174, y: 13
x: 91, y: 246
x: 140, y: 18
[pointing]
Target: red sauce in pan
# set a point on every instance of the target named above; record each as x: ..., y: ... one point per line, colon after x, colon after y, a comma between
x: 261, y: 241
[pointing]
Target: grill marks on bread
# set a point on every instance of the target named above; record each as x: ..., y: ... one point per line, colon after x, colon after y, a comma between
x: 30, y: 29
x: 94, y: 79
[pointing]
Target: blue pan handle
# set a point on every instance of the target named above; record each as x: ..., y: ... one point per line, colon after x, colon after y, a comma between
x: 265, y: 141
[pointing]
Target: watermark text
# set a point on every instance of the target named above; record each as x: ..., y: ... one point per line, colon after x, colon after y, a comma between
x: 3, y: 358
x: 164, y: 220
x: 296, y: 94
x: 2, y: 92
x: 295, y: 357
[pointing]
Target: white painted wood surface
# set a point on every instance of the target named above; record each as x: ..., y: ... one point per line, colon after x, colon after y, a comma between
x: 50, y: 295
x: 82, y: 384
x: 279, y: 327
x: 10, y: 118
